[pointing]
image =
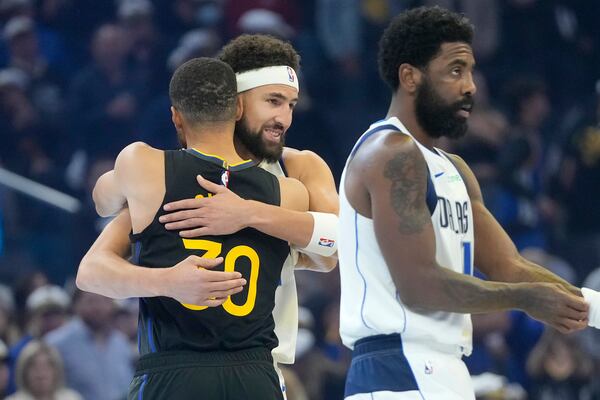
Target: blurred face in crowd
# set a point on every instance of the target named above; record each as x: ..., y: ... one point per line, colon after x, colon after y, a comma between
x: 25, y: 46
x: 535, y: 109
x: 95, y: 310
x: 110, y: 47
x: 444, y: 96
x: 267, y: 115
x: 51, y: 319
x: 140, y: 29
x: 4, y: 373
x: 41, y: 375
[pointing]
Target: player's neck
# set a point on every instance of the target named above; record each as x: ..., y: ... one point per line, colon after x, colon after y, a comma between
x: 214, y: 139
x: 404, y: 110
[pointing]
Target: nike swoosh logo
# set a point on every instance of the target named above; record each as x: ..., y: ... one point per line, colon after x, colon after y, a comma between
x: 438, y: 175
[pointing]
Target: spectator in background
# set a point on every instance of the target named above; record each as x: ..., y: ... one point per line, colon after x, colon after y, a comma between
x: 486, y: 135
x: 1, y: 225
x: 288, y: 11
x: 47, y: 309
x: 21, y: 150
x: 51, y: 44
x: 521, y: 207
x: 126, y: 321
x: 155, y: 123
x: 579, y: 190
x: 559, y: 368
x: 177, y: 17
x: 9, y: 332
x: 27, y: 283
x: 105, y: 96
x: 90, y: 335
x: 4, y: 372
x: 40, y: 375
x: 136, y: 17
x: 46, y: 84
x: 485, y: 15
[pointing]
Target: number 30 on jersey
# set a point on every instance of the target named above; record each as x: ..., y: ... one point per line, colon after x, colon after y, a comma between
x: 213, y: 250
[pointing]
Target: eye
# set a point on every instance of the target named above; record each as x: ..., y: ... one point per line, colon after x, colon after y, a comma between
x: 456, y: 71
x: 274, y: 101
x: 292, y: 106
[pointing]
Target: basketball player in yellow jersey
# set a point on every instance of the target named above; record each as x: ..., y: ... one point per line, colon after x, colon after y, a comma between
x: 189, y: 351
x: 267, y: 114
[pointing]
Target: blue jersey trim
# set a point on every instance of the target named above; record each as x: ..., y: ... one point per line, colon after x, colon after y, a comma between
x: 362, y: 306
x: 150, y: 323
x: 431, y: 197
x: 137, y: 249
x: 371, y: 132
x: 143, y: 385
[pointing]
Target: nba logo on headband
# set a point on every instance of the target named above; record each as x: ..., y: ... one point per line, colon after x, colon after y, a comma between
x: 291, y: 74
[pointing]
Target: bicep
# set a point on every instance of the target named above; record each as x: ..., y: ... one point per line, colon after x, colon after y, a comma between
x: 294, y: 195
x: 318, y: 180
x: 402, y: 221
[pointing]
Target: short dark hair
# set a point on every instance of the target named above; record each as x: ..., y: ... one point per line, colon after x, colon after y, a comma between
x: 248, y: 52
x: 415, y: 36
x: 204, y: 90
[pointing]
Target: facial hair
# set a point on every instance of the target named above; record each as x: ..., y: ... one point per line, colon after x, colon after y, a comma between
x: 255, y: 144
x: 436, y: 116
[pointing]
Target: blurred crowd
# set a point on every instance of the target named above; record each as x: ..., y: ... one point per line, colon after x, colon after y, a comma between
x: 80, y: 79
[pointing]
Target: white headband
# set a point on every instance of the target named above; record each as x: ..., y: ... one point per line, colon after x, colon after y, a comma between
x: 277, y: 75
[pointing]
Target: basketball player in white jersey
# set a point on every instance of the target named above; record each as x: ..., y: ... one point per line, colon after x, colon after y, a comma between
x: 268, y: 87
x: 413, y: 224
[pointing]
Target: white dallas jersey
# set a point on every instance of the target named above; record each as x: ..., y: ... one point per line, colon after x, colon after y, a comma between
x: 370, y: 303
x: 285, y: 312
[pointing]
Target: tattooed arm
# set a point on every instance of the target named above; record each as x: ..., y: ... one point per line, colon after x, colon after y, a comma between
x: 495, y: 253
x: 393, y: 174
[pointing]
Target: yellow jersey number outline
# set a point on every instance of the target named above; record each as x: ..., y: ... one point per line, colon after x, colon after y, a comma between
x: 213, y: 250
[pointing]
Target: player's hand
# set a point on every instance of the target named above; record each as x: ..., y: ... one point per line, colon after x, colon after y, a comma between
x: 192, y: 282
x: 552, y: 304
x: 221, y: 214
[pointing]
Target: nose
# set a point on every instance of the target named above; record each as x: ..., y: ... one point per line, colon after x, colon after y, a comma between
x: 469, y: 87
x: 284, y: 117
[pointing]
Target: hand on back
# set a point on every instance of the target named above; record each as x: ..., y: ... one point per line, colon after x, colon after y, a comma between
x: 192, y: 282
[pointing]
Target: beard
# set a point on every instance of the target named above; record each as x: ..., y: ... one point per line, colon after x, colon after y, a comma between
x: 255, y: 144
x: 437, y: 117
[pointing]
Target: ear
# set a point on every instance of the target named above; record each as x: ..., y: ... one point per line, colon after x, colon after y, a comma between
x: 176, y: 118
x: 410, y: 77
x: 239, y: 108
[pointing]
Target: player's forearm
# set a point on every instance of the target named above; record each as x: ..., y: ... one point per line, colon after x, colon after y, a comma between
x: 520, y: 269
x: 294, y: 227
x: 108, y: 274
x: 107, y: 196
x: 445, y: 290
